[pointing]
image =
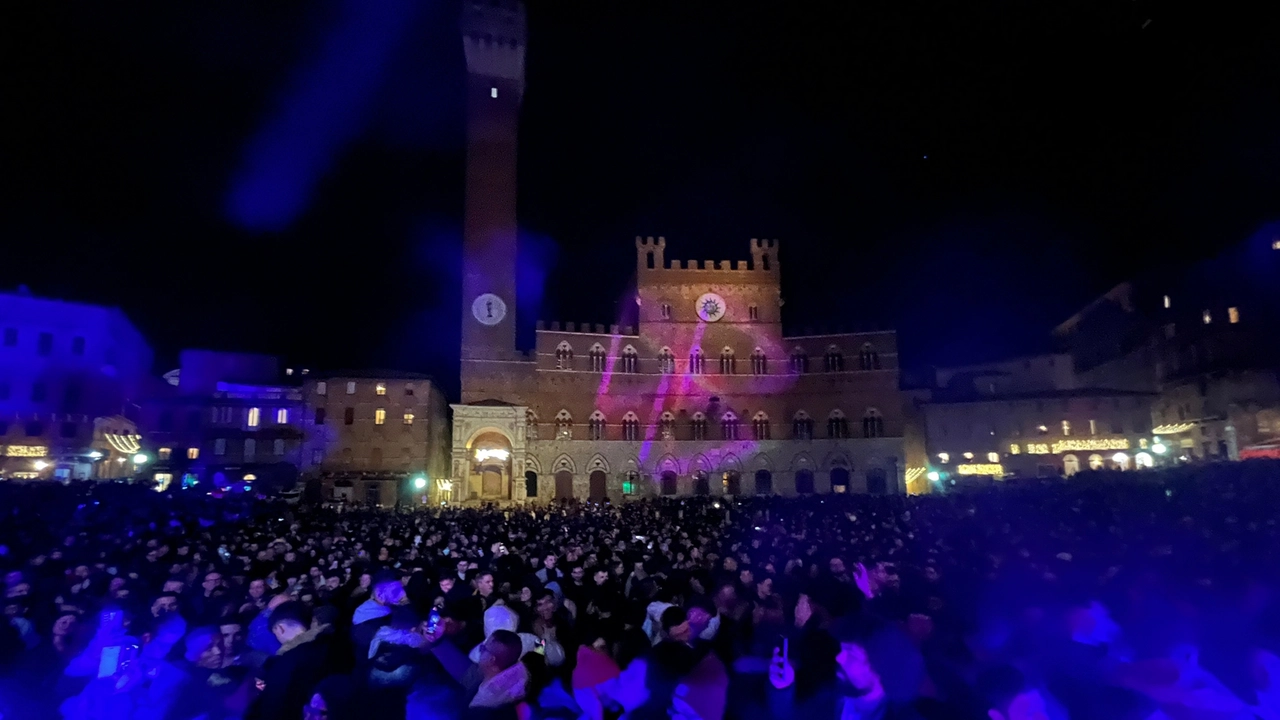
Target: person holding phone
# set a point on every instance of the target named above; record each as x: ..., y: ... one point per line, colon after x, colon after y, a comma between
x: 856, y: 693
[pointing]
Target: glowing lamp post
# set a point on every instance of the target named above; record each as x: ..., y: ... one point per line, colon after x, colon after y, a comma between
x: 419, y: 483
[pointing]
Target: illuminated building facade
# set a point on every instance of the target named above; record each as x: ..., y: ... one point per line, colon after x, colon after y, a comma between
x: 370, y: 435
x: 706, y: 395
x: 226, y: 420
x: 1202, y: 338
x: 67, y: 368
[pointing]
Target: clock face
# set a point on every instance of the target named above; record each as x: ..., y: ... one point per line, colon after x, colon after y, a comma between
x: 489, y: 309
x: 711, y: 307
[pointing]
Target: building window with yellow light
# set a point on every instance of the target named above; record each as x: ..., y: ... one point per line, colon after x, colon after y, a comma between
x: 164, y: 453
x: 1233, y: 315
x: 282, y: 416
x: 993, y: 457
x: 193, y: 453
x: 408, y: 418
x: 380, y: 389
x: 255, y: 416
x: 380, y: 416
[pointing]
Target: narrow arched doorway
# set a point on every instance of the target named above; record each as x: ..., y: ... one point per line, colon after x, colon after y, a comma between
x: 564, y: 485
x: 597, y: 487
x: 669, y: 483
x: 877, y: 481
x: 764, y: 482
x: 701, y: 483
x: 732, y: 483
x: 804, y: 481
x: 839, y: 480
x: 1070, y: 465
x: 530, y: 484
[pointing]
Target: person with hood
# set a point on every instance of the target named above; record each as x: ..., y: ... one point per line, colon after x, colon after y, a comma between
x: 375, y: 613
x: 303, y: 660
x: 502, y: 618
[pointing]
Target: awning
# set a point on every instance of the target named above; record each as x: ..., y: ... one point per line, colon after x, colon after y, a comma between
x: 1264, y: 451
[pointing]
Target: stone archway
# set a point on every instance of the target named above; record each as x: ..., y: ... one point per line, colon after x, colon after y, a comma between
x: 839, y: 480
x: 670, y: 484
x: 804, y: 481
x: 733, y: 483
x: 564, y: 485
x: 764, y: 482
x: 701, y: 483
x: 490, y: 457
x: 531, y: 484
x: 598, y: 486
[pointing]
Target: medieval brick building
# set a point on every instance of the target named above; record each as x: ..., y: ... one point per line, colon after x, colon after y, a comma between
x: 707, y: 395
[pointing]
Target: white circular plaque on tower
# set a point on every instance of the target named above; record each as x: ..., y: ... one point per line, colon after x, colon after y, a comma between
x: 489, y: 309
x: 710, y: 307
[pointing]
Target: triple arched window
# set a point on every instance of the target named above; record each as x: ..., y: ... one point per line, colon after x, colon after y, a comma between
x: 760, y: 426
x: 698, y: 426
x: 666, y: 361
x: 728, y: 363
x: 799, y: 361
x: 596, y: 426
x: 630, y: 360
x: 728, y: 426
x: 802, y: 426
x: 598, y: 358
x: 833, y: 359
x: 667, y: 426
x: 868, y: 358
x: 759, y: 363
x: 697, y: 362
x: 564, y: 356
x: 564, y: 425
x: 872, y: 424
x: 837, y: 425
x: 630, y: 427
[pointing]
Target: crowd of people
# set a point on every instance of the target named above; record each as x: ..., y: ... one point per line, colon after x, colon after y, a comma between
x: 1102, y: 596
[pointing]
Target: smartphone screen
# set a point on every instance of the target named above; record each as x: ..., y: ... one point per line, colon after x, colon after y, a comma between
x: 433, y: 620
x: 109, y: 661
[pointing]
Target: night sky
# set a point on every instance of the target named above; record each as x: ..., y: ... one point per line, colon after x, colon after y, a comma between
x: 286, y: 176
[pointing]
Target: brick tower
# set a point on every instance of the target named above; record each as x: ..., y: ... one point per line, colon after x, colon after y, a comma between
x: 493, y: 34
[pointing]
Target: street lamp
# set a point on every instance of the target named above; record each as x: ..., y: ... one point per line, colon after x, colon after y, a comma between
x: 934, y: 476
x: 40, y: 465
x: 420, y: 482
x: 95, y: 455
x: 1159, y: 448
x: 140, y: 459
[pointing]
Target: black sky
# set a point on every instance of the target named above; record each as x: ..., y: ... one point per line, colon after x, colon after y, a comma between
x: 1067, y: 148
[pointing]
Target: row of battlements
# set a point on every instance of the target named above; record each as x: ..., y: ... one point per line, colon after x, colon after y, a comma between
x: 650, y: 252
x: 593, y: 328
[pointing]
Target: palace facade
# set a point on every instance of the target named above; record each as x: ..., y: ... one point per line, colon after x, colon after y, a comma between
x: 706, y: 395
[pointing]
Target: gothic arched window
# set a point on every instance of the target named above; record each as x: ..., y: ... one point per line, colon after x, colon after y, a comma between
x: 595, y: 426
x: 698, y: 425
x: 630, y: 427
x: 728, y: 426
x: 598, y: 357
x: 668, y: 426
x: 760, y: 426
x: 802, y: 426
x: 834, y: 359
x: 564, y: 356
x: 837, y: 425
x: 666, y: 361
x: 697, y: 362
x: 868, y: 358
x: 799, y: 361
x: 630, y: 360
x: 728, y: 363
x: 872, y: 424
x: 531, y: 425
x: 564, y: 425
x: 759, y: 363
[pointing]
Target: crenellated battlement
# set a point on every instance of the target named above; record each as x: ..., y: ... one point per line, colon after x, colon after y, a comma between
x: 493, y: 38
x: 650, y: 252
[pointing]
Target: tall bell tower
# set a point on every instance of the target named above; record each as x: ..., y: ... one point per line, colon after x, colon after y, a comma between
x: 493, y: 36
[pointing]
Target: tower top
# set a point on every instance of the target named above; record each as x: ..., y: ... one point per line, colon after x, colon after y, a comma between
x: 493, y: 37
